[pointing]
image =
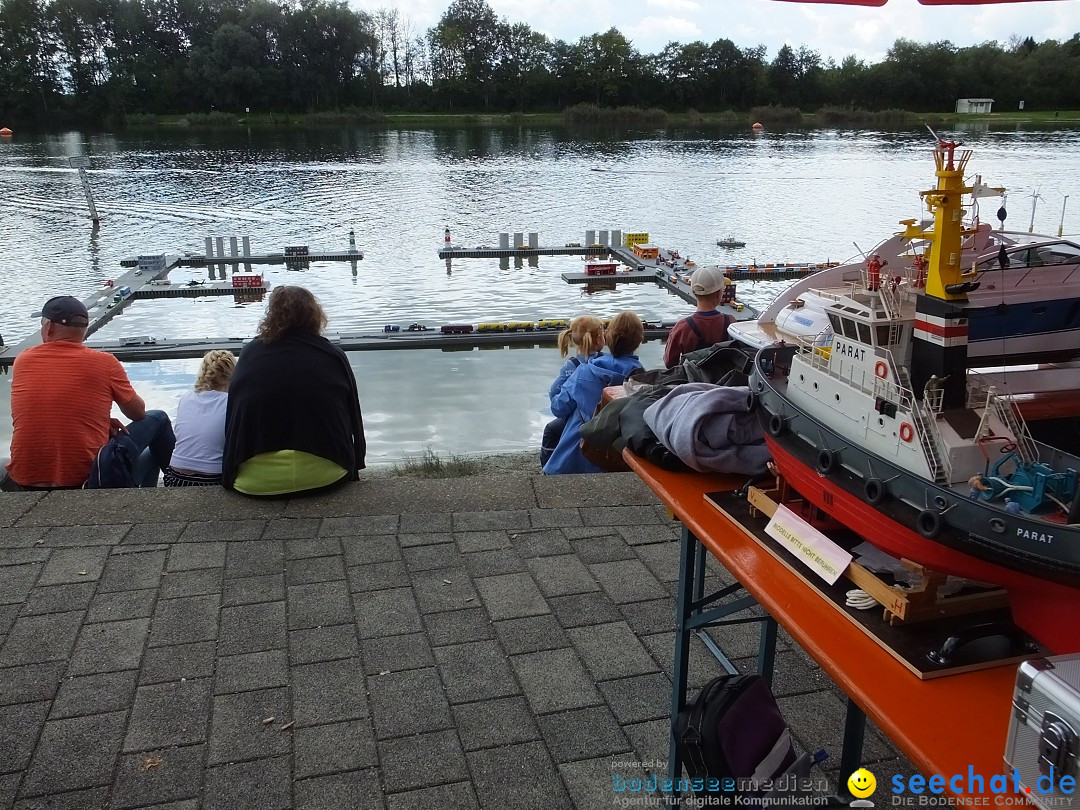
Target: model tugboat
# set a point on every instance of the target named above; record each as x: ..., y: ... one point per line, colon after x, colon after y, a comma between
x: 880, y: 424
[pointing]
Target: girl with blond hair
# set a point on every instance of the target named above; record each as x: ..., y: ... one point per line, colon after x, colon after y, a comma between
x: 578, y: 397
x: 585, y: 336
x: 200, y: 425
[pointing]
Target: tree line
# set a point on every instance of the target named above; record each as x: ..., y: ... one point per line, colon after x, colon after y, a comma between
x: 64, y: 61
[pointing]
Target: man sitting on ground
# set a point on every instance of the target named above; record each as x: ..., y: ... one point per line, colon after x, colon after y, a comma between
x: 61, y: 399
x: 707, y: 325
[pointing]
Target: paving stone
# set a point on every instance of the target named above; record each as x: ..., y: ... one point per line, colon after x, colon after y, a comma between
x: 511, y: 596
x: 169, y: 714
x: 702, y: 665
x: 94, y: 694
x: 75, y: 536
x: 611, y: 651
x: 311, y: 570
x: 323, y: 644
x: 605, y: 548
x: 189, y: 556
x: 636, y: 516
x: 312, y: 546
x: 667, y: 533
x: 356, y: 790
x: 662, y: 559
x: 817, y: 719
x: 423, y: 760
x: 541, y: 543
x: 132, y: 572
x: 419, y: 522
x: 264, y: 784
x: 578, y: 610
x: 319, y: 604
x: 223, y: 530
x: 74, y: 565
x: 494, y: 563
x: 573, y: 688
x: 254, y: 558
x: 499, y: 773
x: 397, y: 653
x: 378, y: 576
x: 181, y: 661
x: 21, y: 537
x: 191, y: 583
x: 640, y: 698
x: 431, y: 558
x: 248, y: 590
x: 469, y: 542
x: 328, y: 692
x: 16, y: 581
x: 531, y: 634
x: 286, y: 528
x: 458, y: 796
x: 40, y: 638
x: 475, y: 671
x: 19, y: 728
x: 237, y: 731
x: 76, y: 753
x: 793, y: 674
x: 144, y: 533
x: 23, y: 556
x: 110, y: 607
x: 573, y: 534
x: 9, y: 784
x: 646, y: 618
x: 365, y: 525
x: 7, y: 617
x: 368, y: 549
x: 58, y: 598
x: 333, y: 748
x: 424, y: 539
x: 490, y: 723
x: 589, y: 782
x: 447, y: 589
x: 252, y: 628
x: 97, y: 797
x: 582, y: 734
x: 508, y: 520
x: 404, y: 703
x: 109, y: 646
x: 184, y: 620
x: 30, y: 682
x: 650, y: 741
x: 119, y: 551
x: 258, y: 670
x: 554, y: 518
x: 387, y: 613
x: 627, y: 581
x: 176, y: 775
x: 562, y: 575
x: 458, y: 626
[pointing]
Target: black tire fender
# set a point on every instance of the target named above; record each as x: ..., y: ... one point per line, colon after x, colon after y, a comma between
x: 875, y: 491
x: 827, y: 460
x: 929, y: 523
x: 777, y: 425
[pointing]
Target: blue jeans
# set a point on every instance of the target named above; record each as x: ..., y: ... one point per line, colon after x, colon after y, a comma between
x: 151, y: 442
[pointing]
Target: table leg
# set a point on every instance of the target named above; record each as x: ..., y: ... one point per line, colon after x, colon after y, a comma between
x: 851, y: 755
x: 767, y: 649
x: 688, y: 555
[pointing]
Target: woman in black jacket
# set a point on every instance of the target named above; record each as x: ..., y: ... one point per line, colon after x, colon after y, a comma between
x: 293, y: 423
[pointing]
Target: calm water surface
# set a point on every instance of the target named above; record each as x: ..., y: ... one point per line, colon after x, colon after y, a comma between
x: 791, y: 197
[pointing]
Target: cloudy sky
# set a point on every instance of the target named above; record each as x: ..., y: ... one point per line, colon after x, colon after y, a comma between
x: 835, y: 31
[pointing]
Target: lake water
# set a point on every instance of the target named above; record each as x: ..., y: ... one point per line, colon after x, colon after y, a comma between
x: 802, y: 196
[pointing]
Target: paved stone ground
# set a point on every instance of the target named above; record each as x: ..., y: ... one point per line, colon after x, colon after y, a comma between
x: 475, y: 642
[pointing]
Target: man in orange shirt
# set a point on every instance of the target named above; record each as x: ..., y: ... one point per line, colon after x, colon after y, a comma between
x: 61, y: 398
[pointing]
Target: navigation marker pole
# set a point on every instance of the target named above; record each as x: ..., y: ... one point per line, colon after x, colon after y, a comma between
x: 82, y: 163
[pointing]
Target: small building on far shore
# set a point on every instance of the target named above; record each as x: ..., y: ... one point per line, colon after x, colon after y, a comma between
x: 974, y: 105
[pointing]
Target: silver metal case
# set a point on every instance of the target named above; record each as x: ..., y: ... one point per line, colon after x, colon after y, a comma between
x: 1044, y: 729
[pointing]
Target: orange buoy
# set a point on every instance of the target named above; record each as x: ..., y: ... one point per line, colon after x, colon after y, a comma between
x: 757, y: 126
x: 5, y: 133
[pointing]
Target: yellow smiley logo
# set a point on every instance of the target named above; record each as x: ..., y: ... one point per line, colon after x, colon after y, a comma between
x: 862, y: 783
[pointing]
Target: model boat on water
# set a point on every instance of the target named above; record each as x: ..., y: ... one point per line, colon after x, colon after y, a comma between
x: 880, y: 424
x: 730, y: 242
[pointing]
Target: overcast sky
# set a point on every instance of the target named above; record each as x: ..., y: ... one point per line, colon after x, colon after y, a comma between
x: 831, y: 30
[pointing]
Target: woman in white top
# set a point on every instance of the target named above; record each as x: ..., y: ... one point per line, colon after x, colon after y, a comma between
x: 200, y: 425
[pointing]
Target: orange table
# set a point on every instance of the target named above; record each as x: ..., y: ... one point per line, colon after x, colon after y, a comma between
x: 944, y: 725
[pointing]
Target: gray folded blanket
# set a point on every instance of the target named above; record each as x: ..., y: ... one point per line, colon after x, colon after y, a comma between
x: 710, y: 428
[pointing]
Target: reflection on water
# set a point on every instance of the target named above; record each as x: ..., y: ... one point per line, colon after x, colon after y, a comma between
x: 797, y: 196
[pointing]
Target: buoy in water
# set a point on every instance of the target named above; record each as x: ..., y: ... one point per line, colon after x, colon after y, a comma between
x: 5, y: 133
x: 446, y: 236
x: 757, y: 126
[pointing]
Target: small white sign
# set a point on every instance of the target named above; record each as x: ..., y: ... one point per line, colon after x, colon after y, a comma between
x: 80, y: 162
x: 816, y: 551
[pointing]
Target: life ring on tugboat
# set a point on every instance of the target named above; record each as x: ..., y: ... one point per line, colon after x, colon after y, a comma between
x: 881, y: 370
x: 929, y: 523
x: 826, y: 460
x: 875, y: 491
x: 907, y: 432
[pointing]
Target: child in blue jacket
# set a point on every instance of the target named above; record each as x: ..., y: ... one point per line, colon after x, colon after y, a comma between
x: 585, y: 334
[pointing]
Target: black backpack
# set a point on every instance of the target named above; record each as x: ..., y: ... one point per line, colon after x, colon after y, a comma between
x: 734, y: 741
